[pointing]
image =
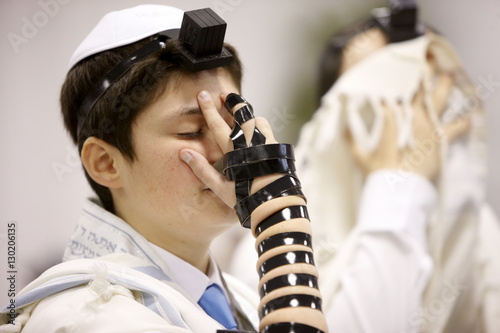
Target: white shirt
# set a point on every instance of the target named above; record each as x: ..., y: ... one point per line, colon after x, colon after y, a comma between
x: 190, y: 278
x: 381, y: 289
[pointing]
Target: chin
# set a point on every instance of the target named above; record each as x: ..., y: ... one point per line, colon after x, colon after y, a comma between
x: 225, y: 214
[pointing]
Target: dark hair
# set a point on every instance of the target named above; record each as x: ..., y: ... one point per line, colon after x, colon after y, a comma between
x: 331, y: 59
x: 112, y: 116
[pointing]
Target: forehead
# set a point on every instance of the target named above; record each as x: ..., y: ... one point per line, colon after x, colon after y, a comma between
x: 361, y: 46
x: 179, y: 96
x: 212, y: 80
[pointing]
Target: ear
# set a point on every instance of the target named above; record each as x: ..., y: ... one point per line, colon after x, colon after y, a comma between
x: 100, y: 159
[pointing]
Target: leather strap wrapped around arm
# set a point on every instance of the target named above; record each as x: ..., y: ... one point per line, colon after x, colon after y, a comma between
x: 288, y: 286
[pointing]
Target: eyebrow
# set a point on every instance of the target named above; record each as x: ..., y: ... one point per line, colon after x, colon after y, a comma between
x: 184, y: 112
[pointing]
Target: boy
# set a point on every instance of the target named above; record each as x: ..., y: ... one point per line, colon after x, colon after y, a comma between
x: 150, y: 130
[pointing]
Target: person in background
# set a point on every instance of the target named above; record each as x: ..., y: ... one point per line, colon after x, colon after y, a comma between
x: 399, y: 115
x: 392, y: 164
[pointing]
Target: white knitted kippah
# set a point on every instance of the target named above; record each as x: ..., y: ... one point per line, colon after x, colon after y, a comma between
x: 126, y: 26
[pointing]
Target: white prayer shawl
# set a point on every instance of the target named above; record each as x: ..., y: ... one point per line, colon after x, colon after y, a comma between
x: 108, y: 265
x: 332, y: 182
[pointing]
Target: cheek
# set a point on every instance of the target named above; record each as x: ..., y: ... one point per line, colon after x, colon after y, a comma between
x: 169, y: 169
x: 161, y: 167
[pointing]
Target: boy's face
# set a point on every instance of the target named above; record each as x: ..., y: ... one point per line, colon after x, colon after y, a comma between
x: 160, y: 196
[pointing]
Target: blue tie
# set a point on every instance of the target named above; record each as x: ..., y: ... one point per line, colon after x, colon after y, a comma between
x: 214, y: 302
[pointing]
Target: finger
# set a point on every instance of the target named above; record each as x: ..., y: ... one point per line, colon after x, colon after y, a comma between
x: 457, y: 128
x: 442, y: 91
x: 238, y: 104
x: 418, y: 99
x: 431, y: 61
x: 248, y: 129
x: 389, y: 118
x: 387, y: 152
x: 422, y: 119
x: 360, y: 157
x: 217, y: 125
x: 223, y: 188
x: 248, y: 126
x: 222, y: 97
x: 263, y: 125
x: 389, y: 131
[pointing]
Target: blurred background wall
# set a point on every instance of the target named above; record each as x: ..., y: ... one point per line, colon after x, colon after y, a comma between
x: 42, y: 186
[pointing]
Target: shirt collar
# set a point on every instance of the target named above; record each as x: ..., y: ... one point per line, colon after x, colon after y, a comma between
x: 188, y: 277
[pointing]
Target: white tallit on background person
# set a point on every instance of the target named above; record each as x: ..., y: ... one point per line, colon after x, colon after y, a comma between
x: 436, y: 269
x: 406, y: 243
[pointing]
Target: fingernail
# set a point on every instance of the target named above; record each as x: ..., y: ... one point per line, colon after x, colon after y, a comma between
x: 204, y: 95
x: 186, y: 156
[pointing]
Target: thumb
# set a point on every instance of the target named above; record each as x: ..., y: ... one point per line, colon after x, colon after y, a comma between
x: 209, y: 176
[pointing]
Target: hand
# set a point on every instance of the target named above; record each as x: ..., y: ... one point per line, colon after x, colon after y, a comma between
x: 424, y: 157
x: 221, y: 131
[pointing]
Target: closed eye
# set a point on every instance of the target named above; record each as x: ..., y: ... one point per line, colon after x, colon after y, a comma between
x: 190, y: 135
